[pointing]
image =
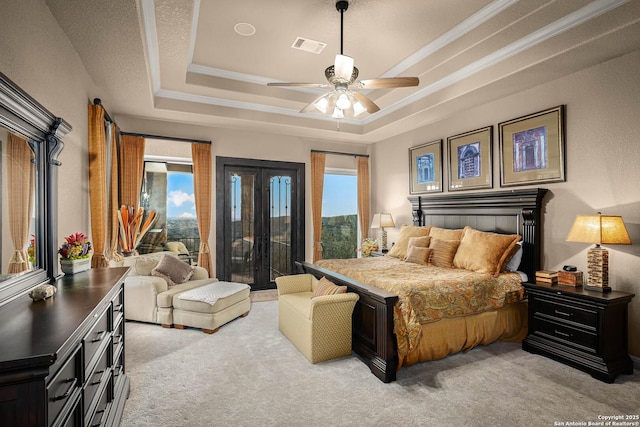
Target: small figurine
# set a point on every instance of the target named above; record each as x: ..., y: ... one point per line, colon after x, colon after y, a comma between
x: 42, y: 292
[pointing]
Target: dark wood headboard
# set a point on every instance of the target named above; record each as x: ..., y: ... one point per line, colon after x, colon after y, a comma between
x: 509, y: 212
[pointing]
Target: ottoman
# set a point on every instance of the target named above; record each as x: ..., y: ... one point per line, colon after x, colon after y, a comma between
x: 210, y: 306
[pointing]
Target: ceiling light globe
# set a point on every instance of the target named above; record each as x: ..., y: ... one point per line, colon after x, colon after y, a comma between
x: 343, y: 101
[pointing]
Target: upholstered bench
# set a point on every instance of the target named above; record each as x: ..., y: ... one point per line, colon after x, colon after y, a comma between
x: 210, y: 306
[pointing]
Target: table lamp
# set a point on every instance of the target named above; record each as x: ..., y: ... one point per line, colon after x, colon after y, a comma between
x: 382, y: 220
x: 598, y: 229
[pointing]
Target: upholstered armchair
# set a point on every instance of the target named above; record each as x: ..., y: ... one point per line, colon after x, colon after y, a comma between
x: 319, y: 327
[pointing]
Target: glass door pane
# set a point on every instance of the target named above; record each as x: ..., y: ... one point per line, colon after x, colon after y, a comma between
x: 242, y: 227
x: 279, y: 226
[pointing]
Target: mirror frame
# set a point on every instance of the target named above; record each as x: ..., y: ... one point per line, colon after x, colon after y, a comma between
x: 21, y: 114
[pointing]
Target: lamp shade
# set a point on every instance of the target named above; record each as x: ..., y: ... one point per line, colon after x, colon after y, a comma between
x: 375, y: 222
x: 599, y: 229
x: 386, y: 220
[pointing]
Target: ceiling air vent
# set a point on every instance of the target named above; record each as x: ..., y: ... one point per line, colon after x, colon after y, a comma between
x: 308, y: 45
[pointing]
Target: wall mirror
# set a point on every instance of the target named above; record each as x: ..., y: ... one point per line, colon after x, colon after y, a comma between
x: 29, y: 144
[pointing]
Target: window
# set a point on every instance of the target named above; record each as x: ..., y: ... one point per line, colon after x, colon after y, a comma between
x: 167, y: 188
x: 340, y: 214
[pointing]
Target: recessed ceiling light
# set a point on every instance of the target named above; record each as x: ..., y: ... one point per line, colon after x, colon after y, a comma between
x: 244, y: 29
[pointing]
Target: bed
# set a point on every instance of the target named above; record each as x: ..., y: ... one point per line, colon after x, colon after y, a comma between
x: 382, y: 306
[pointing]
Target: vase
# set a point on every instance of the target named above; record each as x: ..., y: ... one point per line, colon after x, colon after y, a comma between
x: 73, y: 266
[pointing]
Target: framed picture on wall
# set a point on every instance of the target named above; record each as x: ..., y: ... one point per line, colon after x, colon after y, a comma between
x: 425, y: 168
x: 532, y: 148
x: 470, y: 160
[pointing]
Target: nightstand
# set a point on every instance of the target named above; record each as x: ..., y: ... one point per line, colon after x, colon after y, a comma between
x: 584, y: 329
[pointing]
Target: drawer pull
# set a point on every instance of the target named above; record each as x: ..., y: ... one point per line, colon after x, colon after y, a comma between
x: 67, y: 393
x: 101, y: 412
x: 98, y: 373
x: 117, y: 307
x: 117, y: 339
x: 564, y: 334
x: 100, y: 337
x: 563, y: 313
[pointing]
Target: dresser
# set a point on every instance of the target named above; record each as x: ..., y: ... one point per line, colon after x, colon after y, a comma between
x: 62, y: 360
x: 584, y: 329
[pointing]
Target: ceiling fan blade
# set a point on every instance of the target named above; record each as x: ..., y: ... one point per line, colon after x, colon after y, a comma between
x: 299, y: 84
x: 368, y: 104
x: 389, y: 82
x: 343, y: 67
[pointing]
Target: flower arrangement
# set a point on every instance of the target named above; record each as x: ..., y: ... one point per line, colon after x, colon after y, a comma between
x: 133, y: 226
x: 368, y: 245
x: 75, y: 246
x: 31, y: 250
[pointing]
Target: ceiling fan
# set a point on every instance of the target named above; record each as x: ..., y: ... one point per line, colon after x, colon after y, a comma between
x: 345, y: 100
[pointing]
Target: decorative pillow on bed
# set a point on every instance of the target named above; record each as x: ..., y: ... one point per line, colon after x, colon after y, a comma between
x: 418, y: 255
x: 173, y: 270
x: 327, y: 287
x: 399, y: 250
x: 420, y: 242
x: 444, y: 251
x: 446, y: 233
x: 484, y: 252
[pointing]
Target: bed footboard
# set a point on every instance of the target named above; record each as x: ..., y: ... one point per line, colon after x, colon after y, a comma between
x: 373, y: 337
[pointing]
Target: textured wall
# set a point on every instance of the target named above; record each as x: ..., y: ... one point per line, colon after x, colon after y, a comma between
x: 602, y: 151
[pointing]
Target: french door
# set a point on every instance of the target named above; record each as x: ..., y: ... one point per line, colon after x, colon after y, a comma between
x: 259, y: 220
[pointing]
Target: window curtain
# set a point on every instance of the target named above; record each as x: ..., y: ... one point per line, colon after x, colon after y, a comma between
x: 20, y: 180
x: 114, y: 203
x: 364, y: 196
x: 98, y: 185
x: 201, y: 156
x: 317, y: 183
x: 131, y: 169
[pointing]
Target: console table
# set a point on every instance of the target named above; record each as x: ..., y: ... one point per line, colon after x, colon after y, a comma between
x: 62, y: 359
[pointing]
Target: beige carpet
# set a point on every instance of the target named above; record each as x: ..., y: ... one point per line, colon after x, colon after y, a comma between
x: 249, y: 374
x: 262, y: 296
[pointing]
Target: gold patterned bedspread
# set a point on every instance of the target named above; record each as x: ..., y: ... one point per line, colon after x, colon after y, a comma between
x: 427, y: 293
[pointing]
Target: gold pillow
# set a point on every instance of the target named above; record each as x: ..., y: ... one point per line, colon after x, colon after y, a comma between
x: 446, y: 233
x: 484, y: 252
x: 399, y: 250
x: 421, y: 242
x: 327, y: 287
x: 418, y: 255
x: 443, y: 252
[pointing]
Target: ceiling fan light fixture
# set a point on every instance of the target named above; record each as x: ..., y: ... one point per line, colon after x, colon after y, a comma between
x: 343, y: 101
x: 337, y: 113
x: 322, y: 104
x: 358, y: 108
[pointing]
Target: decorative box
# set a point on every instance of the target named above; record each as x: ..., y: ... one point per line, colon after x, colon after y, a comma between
x: 570, y: 278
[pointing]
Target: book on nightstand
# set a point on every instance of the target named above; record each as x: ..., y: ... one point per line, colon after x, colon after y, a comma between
x: 547, y: 276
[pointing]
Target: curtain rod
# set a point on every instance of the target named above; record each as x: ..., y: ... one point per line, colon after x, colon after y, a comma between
x: 167, y: 138
x: 337, y: 153
x: 98, y: 101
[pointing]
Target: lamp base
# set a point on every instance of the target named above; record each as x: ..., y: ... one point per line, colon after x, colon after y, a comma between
x: 598, y: 267
x: 601, y: 289
x: 383, y: 239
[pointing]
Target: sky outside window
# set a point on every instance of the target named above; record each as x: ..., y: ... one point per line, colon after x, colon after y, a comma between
x: 180, y: 197
x: 340, y: 195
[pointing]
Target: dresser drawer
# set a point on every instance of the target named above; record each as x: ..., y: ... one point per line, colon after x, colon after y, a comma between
x: 95, y: 382
x: 94, y: 340
x: 586, y: 341
x: 63, y: 386
x: 118, y: 335
x: 99, y: 416
x: 118, y: 305
x: 566, y: 312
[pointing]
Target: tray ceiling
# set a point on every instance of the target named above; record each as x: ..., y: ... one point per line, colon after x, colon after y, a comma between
x: 181, y: 60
